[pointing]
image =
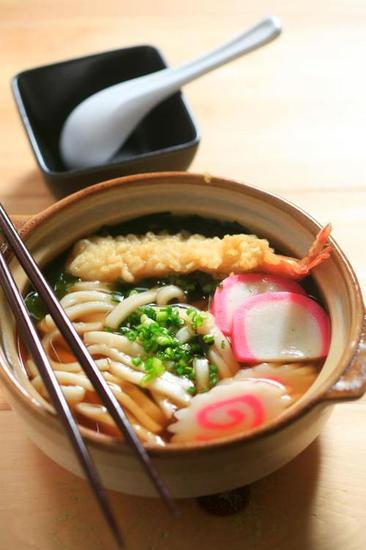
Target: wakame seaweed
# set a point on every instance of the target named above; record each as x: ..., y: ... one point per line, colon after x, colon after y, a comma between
x: 195, y: 285
x: 59, y: 280
x: 172, y: 224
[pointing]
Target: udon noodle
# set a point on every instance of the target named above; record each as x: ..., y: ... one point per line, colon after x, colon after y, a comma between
x: 159, y: 346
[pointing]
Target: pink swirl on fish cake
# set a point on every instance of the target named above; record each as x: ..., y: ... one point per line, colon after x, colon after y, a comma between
x: 236, y: 415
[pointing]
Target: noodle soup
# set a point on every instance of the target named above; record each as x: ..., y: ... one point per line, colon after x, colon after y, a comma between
x: 174, y: 311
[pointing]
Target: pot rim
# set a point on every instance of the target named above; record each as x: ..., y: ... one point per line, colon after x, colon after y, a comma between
x: 105, y: 442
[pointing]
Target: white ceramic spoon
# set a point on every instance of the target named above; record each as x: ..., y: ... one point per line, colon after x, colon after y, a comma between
x: 97, y: 127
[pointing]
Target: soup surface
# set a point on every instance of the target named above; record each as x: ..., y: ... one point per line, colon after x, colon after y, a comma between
x: 200, y: 329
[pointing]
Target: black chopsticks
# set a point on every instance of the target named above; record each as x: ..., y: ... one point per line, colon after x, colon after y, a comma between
x: 31, y: 339
x: 77, y: 346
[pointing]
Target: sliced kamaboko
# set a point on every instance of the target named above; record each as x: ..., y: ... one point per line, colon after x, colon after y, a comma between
x: 234, y: 289
x: 280, y: 326
x: 227, y: 409
x: 296, y: 377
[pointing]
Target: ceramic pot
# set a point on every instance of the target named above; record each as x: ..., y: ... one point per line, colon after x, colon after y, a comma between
x: 194, y: 469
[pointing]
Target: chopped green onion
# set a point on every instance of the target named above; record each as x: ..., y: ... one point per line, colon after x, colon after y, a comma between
x: 153, y: 367
x: 155, y: 330
x: 164, y: 340
x: 196, y: 317
x: 213, y: 375
x: 162, y: 316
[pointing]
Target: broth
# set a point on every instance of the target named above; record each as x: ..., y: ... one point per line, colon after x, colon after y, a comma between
x: 170, y: 366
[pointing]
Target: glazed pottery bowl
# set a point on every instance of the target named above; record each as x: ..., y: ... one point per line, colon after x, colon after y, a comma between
x: 198, y: 468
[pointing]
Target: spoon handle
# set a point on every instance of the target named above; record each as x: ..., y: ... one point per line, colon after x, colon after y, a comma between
x: 172, y: 79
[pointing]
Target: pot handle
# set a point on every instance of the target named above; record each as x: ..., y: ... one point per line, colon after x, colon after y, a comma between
x: 352, y: 383
x: 20, y: 219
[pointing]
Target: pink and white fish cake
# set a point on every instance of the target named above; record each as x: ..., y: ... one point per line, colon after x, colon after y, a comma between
x: 280, y: 327
x: 233, y: 290
x: 295, y: 377
x: 228, y: 409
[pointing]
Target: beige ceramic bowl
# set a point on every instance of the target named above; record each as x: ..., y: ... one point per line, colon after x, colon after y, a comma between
x: 196, y: 468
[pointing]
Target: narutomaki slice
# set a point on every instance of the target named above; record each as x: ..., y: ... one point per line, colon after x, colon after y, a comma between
x: 280, y: 326
x: 229, y: 409
x: 233, y: 290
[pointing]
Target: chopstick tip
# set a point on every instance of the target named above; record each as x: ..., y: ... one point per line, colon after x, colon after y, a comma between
x: 118, y: 537
x: 175, y: 511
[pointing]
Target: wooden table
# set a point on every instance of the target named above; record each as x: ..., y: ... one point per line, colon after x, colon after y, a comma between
x: 291, y: 119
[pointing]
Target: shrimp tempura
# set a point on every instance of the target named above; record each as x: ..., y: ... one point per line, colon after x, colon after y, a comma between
x: 133, y: 258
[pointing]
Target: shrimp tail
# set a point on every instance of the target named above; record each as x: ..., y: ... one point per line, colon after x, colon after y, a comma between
x: 319, y: 250
x: 297, y: 269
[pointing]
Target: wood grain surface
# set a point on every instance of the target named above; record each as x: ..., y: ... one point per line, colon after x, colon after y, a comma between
x: 291, y: 119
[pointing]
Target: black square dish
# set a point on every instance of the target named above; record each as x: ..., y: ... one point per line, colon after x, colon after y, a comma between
x: 167, y: 138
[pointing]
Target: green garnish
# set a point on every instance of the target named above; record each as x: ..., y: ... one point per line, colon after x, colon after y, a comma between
x: 164, y: 341
x: 162, y: 316
x: 213, y: 375
x: 155, y: 330
x: 61, y: 282
x: 153, y: 367
x: 197, y: 318
x: 222, y: 345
